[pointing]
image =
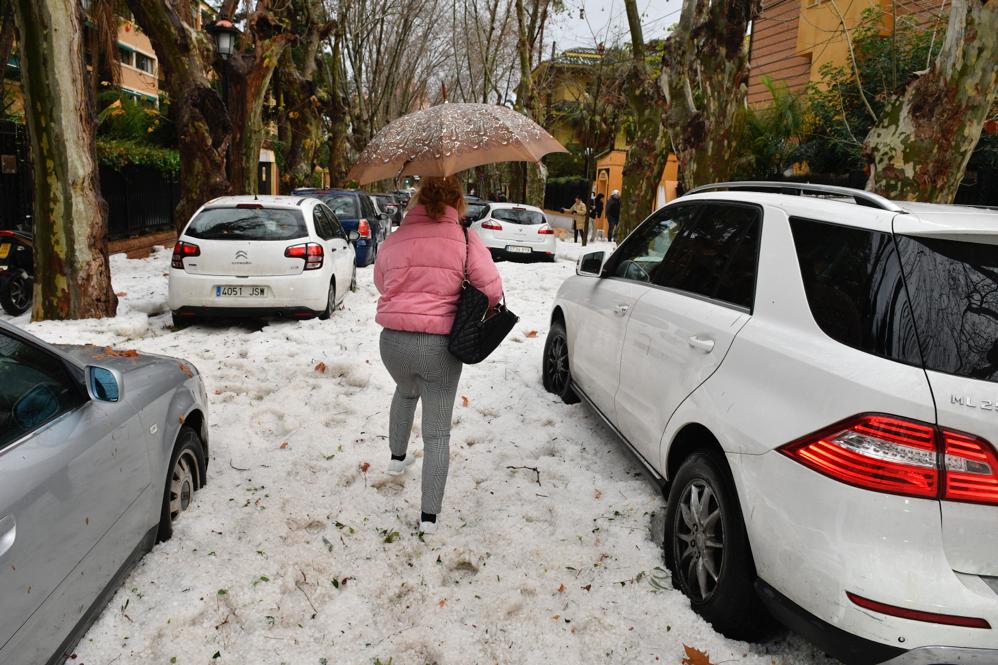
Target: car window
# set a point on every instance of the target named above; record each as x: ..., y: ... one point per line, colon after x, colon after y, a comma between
x: 518, y: 216
x: 35, y: 389
x: 953, y: 286
x: 334, y: 224
x: 366, y: 207
x: 715, y: 255
x: 343, y: 205
x: 855, y: 289
x: 321, y: 224
x: 644, y: 249
x: 247, y: 224
x: 476, y: 211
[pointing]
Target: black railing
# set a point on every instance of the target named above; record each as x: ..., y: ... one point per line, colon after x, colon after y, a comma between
x: 15, y: 177
x: 140, y: 200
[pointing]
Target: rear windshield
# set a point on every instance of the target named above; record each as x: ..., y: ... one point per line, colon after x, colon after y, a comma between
x: 518, y: 216
x: 247, y: 224
x: 954, y: 296
x: 344, y: 205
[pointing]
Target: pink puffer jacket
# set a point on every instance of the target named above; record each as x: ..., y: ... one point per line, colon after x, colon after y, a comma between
x: 420, y: 268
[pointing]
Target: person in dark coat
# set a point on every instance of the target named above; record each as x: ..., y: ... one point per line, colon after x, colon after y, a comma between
x: 612, y: 213
x: 597, y: 212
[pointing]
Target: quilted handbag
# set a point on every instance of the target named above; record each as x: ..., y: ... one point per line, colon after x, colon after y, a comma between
x: 477, y: 330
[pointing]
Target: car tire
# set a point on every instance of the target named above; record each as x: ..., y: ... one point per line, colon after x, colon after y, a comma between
x: 16, y: 292
x: 556, y: 372
x: 184, y: 476
x: 181, y: 322
x: 330, y: 302
x: 712, y: 540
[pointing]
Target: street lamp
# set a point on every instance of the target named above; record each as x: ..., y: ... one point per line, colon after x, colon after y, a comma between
x: 224, y: 32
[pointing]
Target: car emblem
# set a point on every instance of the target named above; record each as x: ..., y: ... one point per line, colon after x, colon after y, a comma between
x: 242, y: 255
x: 241, y: 258
x: 968, y: 401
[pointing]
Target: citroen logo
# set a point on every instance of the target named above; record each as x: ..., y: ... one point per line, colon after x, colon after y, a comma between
x: 242, y: 255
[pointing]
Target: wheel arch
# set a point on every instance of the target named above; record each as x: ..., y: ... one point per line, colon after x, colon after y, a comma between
x: 558, y: 315
x: 690, y: 438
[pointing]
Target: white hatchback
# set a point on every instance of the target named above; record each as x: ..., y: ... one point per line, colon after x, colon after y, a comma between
x: 261, y: 256
x: 814, y: 382
x: 512, y: 230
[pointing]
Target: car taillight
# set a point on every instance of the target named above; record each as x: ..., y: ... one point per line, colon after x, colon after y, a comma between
x: 182, y: 250
x: 363, y: 229
x: 492, y: 226
x: 971, y: 469
x: 311, y: 253
x: 545, y: 230
x: 899, y: 456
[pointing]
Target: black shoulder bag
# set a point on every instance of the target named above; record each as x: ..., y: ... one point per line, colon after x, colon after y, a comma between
x: 477, y: 331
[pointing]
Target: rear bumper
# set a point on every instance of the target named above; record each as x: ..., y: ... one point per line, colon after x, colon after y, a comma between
x: 285, y: 293
x: 248, y: 312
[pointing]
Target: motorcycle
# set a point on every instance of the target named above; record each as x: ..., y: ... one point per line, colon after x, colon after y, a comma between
x: 17, y: 271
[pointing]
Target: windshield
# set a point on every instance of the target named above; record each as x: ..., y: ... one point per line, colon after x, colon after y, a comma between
x: 953, y: 287
x: 518, y: 216
x: 247, y: 224
x: 344, y: 205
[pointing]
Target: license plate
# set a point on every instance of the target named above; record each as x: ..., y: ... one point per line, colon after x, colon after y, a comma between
x: 4, y: 250
x: 517, y: 250
x: 240, y: 291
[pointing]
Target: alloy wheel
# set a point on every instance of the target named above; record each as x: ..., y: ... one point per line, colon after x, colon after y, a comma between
x: 698, y: 539
x: 184, y: 480
x: 557, y: 364
x: 20, y: 295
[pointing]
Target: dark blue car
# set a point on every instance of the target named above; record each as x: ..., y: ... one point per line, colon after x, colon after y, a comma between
x: 355, y: 212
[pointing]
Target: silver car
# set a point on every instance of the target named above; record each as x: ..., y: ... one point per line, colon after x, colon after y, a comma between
x: 100, y: 453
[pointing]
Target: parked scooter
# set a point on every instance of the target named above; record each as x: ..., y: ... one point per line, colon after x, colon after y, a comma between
x: 17, y: 271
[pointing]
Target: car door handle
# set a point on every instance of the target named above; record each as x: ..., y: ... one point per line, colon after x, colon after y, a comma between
x: 705, y: 344
x: 8, y: 532
x: 621, y: 310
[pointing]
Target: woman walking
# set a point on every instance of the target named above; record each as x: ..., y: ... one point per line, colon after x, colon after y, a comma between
x: 419, y: 272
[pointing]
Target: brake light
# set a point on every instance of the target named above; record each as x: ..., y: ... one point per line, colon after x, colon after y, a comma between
x: 363, y: 229
x: 249, y: 206
x: 181, y: 250
x: 492, y: 226
x: 311, y: 253
x: 971, y: 469
x: 545, y: 230
x: 899, y: 456
x: 918, y: 615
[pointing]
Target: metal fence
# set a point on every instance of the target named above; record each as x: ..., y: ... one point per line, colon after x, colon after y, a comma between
x: 15, y: 177
x: 140, y: 200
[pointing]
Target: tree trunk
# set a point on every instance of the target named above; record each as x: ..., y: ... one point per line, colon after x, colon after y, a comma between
x: 73, y: 279
x: 203, y: 127
x: 705, y: 80
x: 527, y: 183
x: 919, y: 148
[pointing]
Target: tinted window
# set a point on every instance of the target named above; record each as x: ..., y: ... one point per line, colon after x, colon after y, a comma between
x: 343, y: 205
x: 334, y: 224
x: 954, y: 296
x: 518, y: 216
x: 715, y: 255
x: 852, y: 278
x: 321, y: 224
x: 35, y: 389
x: 642, y: 253
x: 247, y: 224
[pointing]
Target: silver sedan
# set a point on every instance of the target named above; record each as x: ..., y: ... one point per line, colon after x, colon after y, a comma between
x: 101, y: 452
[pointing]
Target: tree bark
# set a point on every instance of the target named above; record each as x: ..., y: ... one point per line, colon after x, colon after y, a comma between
x: 920, y: 146
x: 202, y: 122
x: 336, y: 114
x: 527, y: 183
x: 72, y: 275
x: 705, y: 81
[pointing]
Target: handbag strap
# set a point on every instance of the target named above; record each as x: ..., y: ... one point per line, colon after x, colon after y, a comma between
x: 467, y: 279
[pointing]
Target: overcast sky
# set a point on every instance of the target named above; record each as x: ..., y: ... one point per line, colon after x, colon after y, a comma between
x: 608, y: 20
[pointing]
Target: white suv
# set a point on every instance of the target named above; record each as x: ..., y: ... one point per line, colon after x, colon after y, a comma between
x: 810, y: 373
x: 258, y: 256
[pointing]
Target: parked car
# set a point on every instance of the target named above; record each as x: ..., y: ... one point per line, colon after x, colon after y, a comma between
x: 101, y: 453
x: 812, y: 381
x: 261, y: 256
x: 386, y: 203
x: 512, y: 230
x: 402, y: 196
x: 357, y: 212
x: 17, y: 271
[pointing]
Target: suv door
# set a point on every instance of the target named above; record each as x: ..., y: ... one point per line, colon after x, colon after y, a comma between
x: 681, y: 328
x: 596, y: 337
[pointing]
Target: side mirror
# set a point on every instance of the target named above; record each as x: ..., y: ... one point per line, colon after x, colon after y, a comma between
x: 591, y: 264
x: 103, y: 384
x: 353, y: 236
x: 35, y: 407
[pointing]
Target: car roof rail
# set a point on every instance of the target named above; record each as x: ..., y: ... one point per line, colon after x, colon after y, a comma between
x: 859, y: 196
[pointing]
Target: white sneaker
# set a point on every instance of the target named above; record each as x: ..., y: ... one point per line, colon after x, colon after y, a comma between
x: 398, y: 467
x: 427, y: 528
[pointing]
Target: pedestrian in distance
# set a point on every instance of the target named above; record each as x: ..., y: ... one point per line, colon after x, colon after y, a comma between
x: 612, y: 213
x: 419, y: 272
x: 597, y: 212
x: 579, y: 212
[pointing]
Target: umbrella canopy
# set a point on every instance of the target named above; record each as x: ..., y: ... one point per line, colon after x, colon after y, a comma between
x: 446, y: 139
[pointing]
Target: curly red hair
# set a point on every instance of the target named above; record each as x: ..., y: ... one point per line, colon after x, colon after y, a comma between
x: 436, y: 194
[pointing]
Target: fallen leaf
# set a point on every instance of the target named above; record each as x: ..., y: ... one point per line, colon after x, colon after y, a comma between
x: 181, y: 419
x: 121, y: 294
x: 443, y: 601
x: 217, y: 391
x: 597, y: 494
x: 364, y: 467
x: 284, y: 446
x: 695, y: 657
x: 561, y: 589
x: 465, y: 401
x: 587, y: 587
x: 530, y: 334
x: 127, y: 353
x: 320, y: 368
x: 555, y: 617
x: 186, y: 370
